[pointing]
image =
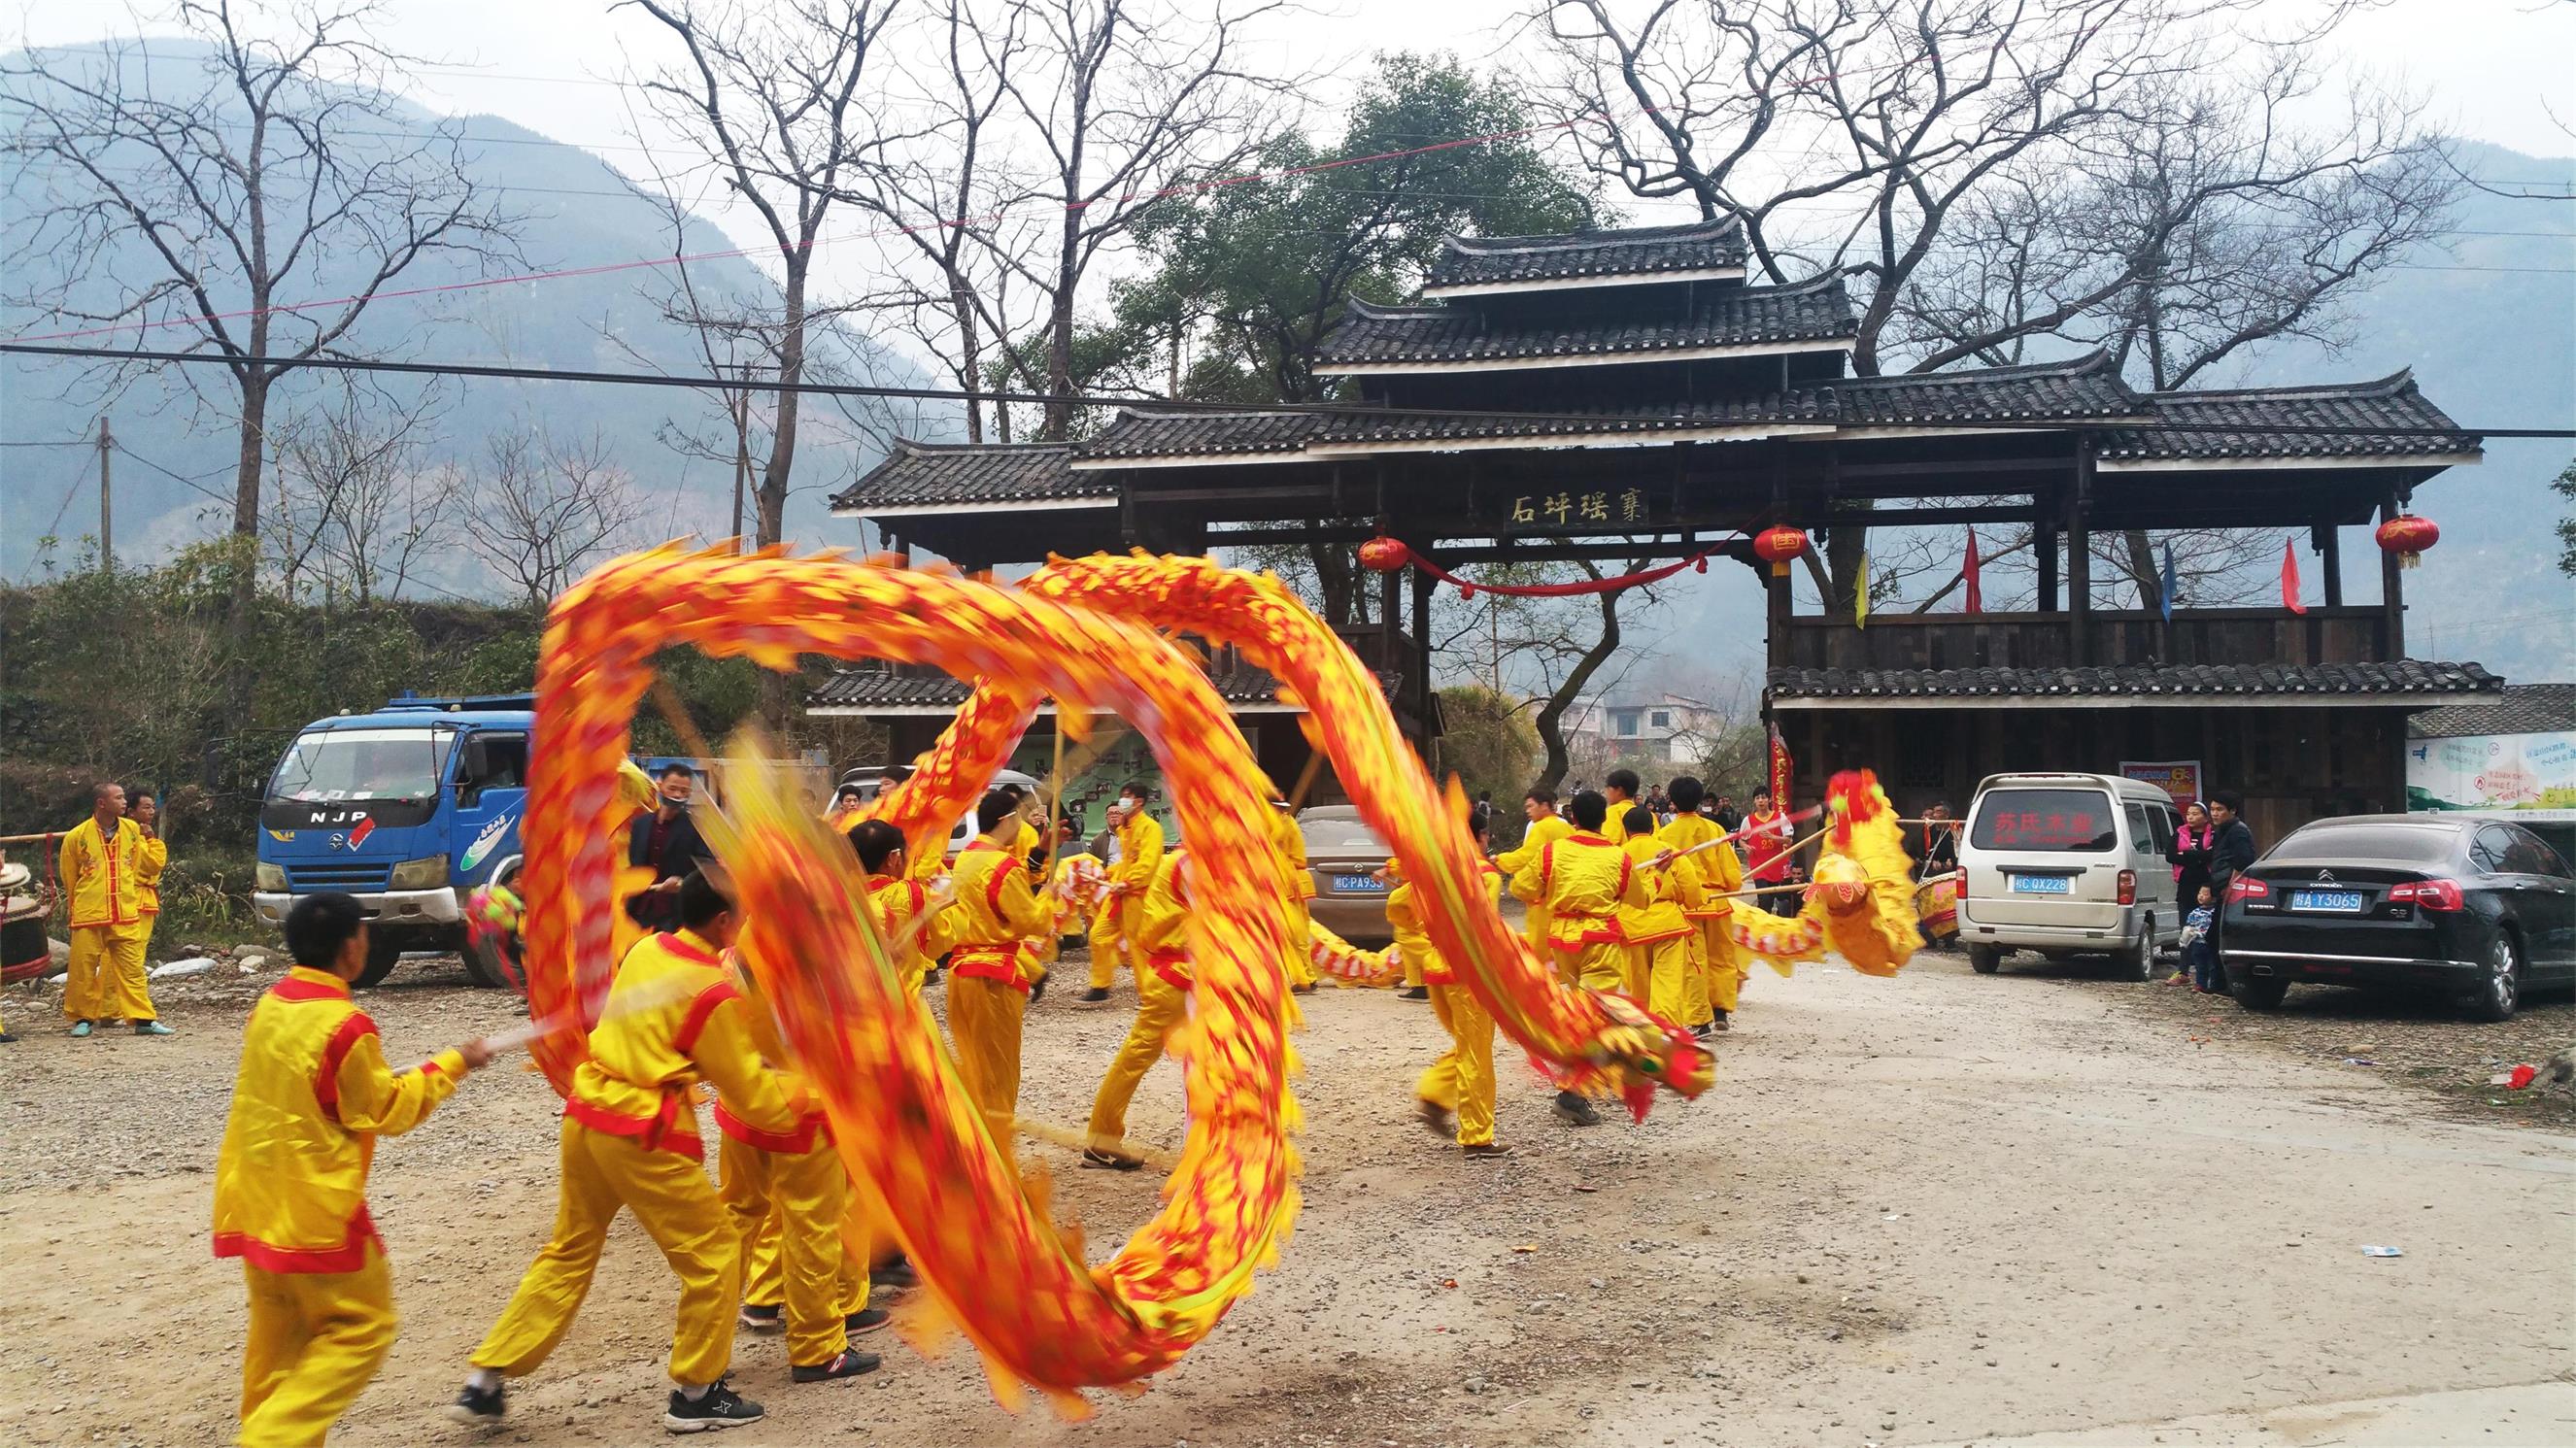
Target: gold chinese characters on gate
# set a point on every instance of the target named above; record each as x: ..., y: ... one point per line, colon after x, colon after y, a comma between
x: 1559, y: 508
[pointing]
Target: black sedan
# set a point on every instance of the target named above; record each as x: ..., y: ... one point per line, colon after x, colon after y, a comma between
x: 2477, y: 909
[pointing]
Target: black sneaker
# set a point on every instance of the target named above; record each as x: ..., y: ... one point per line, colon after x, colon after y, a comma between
x: 1486, y: 1151
x: 763, y: 1319
x: 1704, y: 1030
x: 847, y: 1365
x: 1093, y: 1156
x: 722, y: 1407
x: 1435, y: 1118
x: 1576, y: 1110
x: 7, y: 1040
x: 1719, y: 1024
x: 866, y: 1320
x: 930, y: 977
x: 894, y: 1274
x: 1307, y: 989
x: 1096, y: 993
x: 480, y: 1407
x: 1414, y: 993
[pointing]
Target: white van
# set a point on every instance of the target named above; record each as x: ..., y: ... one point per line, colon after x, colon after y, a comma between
x: 2066, y: 864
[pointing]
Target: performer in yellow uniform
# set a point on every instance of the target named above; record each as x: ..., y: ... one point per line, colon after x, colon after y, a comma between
x: 309, y: 1101
x: 786, y: 1193
x: 990, y: 981
x: 1461, y: 1083
x: 899, y: 900
x: 1658, y: 935
x: 1162, y: 1003
x: 1290, y: 843
x: 1140, y: 852
x: 1545, y: 827
x: 1585, y: 880
x: 152, y: 857
x: 1619, y: 791
x: 1713, y: 872
x: 630, y: 1141
x: 102, y: 875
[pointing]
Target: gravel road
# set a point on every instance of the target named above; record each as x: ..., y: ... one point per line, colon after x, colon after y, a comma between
x: 1929, y: 1210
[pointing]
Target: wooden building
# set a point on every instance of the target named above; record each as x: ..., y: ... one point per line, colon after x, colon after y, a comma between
x: 1626, y: 394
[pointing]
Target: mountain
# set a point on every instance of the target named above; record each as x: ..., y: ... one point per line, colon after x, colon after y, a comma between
x: 575, y: 212
x: 2489, y: 326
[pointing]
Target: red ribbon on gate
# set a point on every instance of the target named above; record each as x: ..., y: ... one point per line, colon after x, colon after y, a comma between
x: 1469, y: 588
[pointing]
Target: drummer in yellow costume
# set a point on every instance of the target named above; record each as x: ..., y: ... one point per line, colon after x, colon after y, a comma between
x: 102, y: 874
x: 1140, y: 852
x: 1705, y: 877
x: 1658, y: 935
x: 1585, y: 881
x: 1460, y: 1084
x: 990, y: 978
x: 1545, y: 827
x: 1162, y: 1003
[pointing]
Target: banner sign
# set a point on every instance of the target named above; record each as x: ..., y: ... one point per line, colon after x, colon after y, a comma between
x: 1779, y: 771
x: 2492, y: 772
x: 2177, y: 777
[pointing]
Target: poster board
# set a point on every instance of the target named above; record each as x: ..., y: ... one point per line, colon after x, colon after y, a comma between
x: 2177, y: 777
x: 2510, y: 772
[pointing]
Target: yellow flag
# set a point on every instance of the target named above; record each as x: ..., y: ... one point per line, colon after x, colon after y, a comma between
x: 1860, y: 594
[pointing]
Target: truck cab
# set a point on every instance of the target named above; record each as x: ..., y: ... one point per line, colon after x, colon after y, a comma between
x: 408, y: 808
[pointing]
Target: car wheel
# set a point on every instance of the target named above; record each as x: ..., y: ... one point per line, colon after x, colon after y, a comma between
x: 384, y: 952
x: 2261, y: 993
x: 2499, y: 994
x: 1985, y: 959
x: 2139, y: 963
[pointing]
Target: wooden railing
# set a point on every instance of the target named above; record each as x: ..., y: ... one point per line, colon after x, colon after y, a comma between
x: 2112, y: 636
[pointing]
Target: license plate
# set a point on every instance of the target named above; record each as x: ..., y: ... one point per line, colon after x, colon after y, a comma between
x: 2043, y: 884
x: 1358, y: 885
x: 2345, y: 901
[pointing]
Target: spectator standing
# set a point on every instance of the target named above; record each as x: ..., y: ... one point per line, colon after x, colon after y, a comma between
x: 1767, y: 836
x: 2231, y: 852
x: 667, y: 841
x: 1728, y: 817
x: 152, y: 857
x: 102, y: 874
x: 2190, y: 853
x: 1940, y: 843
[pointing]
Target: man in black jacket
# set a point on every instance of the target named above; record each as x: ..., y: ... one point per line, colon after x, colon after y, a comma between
x: 667, y: 839
x: 2230, y: 852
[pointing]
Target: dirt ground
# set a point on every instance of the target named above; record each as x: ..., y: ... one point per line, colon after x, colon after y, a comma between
x: 1936, y: 1209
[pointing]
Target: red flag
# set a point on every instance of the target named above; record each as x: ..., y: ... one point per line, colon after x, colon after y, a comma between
x: 2290, y: 578
x: 1976, y: 595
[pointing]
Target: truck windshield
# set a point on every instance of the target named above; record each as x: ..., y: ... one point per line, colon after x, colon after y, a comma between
x: 363, y: 764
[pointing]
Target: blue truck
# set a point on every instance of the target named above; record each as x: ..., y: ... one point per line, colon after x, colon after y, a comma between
x: 408, y: 808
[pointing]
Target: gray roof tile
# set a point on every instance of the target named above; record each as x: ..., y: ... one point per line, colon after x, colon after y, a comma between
x: 2141, y: 681
x: 917, y: 473
x: 1729, y: 316
x: 1632, y: 253
x: 2249, y: 423
x: 2520, y: 709
x: 879, y: 688
x: 1140, y: 433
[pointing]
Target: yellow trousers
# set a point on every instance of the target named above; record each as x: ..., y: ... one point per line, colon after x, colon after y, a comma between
x: 677, y: 1207
x: 1725, y: 966
x: 1666, y: 977
x: 316, y: 1339
x: 764, y: 1274
x: 1594, y: 967
x: 1111, y: 930
x: 800, y: 1199
x: 105, y: 980
x: 1301, y: 941
x: 1159, y: 1009
x: 1535, y: 926
x: 984, y: 1028
x: 1462, y: 1080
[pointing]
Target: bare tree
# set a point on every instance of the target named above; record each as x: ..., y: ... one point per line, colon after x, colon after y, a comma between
x: 217, y: 195
x: 1549, y: 652
x: 358, y: 508
x: 1995, y: 172
x: 1122, y: 101
x: 547, y: 508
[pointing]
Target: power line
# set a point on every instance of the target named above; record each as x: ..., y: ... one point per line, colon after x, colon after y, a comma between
x: 1080, y: 399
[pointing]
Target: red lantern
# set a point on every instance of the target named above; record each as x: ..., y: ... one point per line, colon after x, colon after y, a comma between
x: 1383, y: 554
x: 2407, y: 536
x: 1778, y: 545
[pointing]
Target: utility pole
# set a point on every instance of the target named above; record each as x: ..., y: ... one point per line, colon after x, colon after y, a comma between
x: 740, y: 407
x: 106, y: 518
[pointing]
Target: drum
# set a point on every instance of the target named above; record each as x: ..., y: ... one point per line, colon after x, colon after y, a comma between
x: 24, y: 953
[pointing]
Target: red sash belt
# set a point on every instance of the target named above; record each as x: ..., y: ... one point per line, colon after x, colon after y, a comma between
x: 814, y: 1128
x: 673, y: 1127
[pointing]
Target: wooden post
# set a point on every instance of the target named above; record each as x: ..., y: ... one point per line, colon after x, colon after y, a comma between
x: 2044, y: 542
x: 1420, y: 662
x: 2079, y: 559
x: 2327, y: 539
x: 2392, y: 593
